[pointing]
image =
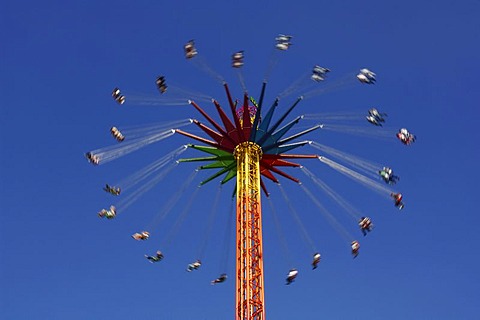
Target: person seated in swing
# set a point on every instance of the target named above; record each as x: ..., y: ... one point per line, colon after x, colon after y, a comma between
x: 365, y: 225
x: 355, y: 248
x: 144, y: 235
x: 220, y: 279
x: 92, y: 158
x: 157, y: 257
x: 112, y: 190
x: 292, y: 275
x: 398, y: 197
x: 316, y: 260
x: 109, y: 214
x: 194, y: 266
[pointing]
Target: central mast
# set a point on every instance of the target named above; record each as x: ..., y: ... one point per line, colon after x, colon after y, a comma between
x: 249, y: 281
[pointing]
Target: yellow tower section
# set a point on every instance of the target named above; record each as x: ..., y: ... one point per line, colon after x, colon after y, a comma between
x: 249, y: 282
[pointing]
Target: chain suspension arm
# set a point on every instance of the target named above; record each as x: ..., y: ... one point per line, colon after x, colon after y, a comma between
x: 249, y: 282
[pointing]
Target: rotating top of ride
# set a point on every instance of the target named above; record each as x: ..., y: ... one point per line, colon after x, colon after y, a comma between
x: 247, y: 127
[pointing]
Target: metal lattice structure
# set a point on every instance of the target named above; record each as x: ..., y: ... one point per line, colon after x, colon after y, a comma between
x: 249, y: 281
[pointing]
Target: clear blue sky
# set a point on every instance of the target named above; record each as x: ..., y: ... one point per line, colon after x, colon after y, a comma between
x: 59, y: 61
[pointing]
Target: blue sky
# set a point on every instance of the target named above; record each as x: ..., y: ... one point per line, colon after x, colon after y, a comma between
x: 59, y: 62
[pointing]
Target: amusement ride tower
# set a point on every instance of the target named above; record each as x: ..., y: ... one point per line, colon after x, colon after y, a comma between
x: 249, y: 148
